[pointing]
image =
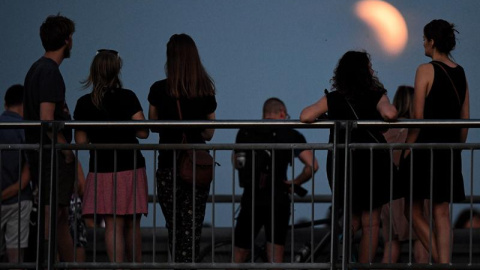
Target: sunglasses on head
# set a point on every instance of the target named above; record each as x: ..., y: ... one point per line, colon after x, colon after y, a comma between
x: 107, y: 51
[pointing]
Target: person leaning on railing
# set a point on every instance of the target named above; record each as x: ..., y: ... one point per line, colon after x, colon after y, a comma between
x: 358, y: 95
x: 116, y: 186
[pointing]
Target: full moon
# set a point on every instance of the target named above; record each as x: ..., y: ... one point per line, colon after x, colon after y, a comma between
x: 387, y: 23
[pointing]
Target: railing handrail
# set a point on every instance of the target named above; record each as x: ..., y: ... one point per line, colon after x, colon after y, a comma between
x: 225, y: 124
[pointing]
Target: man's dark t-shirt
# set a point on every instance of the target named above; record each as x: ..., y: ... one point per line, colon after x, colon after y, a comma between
x: 44, y: 83
x: 263, y: 160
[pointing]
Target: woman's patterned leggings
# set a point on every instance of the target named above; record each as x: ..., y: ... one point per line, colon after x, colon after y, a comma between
x: 182, y: 238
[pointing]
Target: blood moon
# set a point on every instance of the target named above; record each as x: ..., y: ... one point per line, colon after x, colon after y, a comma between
x: 387, y: 23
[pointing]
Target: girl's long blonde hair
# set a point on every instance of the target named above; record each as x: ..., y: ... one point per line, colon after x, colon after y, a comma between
x: 104, y: 75
x: 403, y: 101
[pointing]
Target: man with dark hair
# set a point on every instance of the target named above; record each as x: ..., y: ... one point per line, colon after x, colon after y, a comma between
x: 15, y: 215
x: 45, y: 101
x: 268, y: 176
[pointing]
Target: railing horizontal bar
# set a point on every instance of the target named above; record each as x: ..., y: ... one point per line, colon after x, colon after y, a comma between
x: 325, y: 198
x: 223, y: 146
x: 284, y: 123
x: 413, y: 266
x: 464, y: 146
x: 102, y: 265
x: 411, y: 123
x: 232, y: 146
x: 473, y: 123
x: 23, y: 265
x: 204, y: 124
x: 19, y: 146
x: 237, y: 198
x: 105, y: 265
x: 20, y: 124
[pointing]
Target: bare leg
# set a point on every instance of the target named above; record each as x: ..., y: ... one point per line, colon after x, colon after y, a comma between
x: 441, y: 213
x: 370, y: 231
x: 240, y: 254
x: 14, y: 256
x: 419, y: 252
x: 278, y: 252
x: 393, y: 248
x: 47, y: 222
x: 131, y: 230
x: 64, y: 239
x: 110, y: 235
x: 422, y: 228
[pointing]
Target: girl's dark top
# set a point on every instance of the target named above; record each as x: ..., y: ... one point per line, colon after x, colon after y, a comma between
x: 442, y: 102
x: 365, y: 106
x: 117, y: 105
x: 192, y: 109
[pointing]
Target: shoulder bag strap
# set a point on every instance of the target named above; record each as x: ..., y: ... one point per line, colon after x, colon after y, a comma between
x: 179, y: 110
x: 454, y: 88
x: 356, y: 116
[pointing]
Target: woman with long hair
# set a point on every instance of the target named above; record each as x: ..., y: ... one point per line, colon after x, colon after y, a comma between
x: 116, y: 186
x: 358, y: 95
x: 189, y: 83
x: 396, y: 232
x: 441, y: 92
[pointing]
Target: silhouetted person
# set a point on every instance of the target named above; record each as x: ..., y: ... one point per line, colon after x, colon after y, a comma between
x: 259, y: 180
x: 441, y: 92
x: 15, y: 207
x: 45, y: 101
x: 358, y: 95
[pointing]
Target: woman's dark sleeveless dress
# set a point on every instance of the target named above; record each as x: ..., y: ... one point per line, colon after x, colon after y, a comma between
x: 362, y: 175
x: 442, y: 102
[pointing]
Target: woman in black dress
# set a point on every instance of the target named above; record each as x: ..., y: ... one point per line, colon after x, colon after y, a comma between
x: 441, y: 92
x: 359, y: 95
x: 188, y: 82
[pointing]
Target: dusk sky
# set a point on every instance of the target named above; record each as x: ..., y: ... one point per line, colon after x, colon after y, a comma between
x: 252, y: 49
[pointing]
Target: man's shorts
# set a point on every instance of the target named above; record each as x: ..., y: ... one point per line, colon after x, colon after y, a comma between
x: 262, y: 218
x: 66, y: 177
x: 10, y: 223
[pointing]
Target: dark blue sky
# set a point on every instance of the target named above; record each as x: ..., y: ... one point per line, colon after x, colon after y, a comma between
x: 253, y: 49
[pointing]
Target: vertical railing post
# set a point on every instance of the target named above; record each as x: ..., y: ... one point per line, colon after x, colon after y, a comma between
x: 40, y: 252
x: 52, y: 235
x: 335, y: 201
x: 346, y: 247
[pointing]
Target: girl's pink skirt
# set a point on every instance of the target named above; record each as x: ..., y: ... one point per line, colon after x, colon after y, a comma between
x: 125, y: 200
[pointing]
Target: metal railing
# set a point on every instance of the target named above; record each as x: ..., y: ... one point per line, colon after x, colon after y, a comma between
x: 339, y: 255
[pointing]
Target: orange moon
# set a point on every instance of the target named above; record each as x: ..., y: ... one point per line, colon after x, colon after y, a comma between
x: 387, y: 23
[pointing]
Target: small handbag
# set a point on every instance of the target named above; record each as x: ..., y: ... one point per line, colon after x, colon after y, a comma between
x: 203, y: 166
